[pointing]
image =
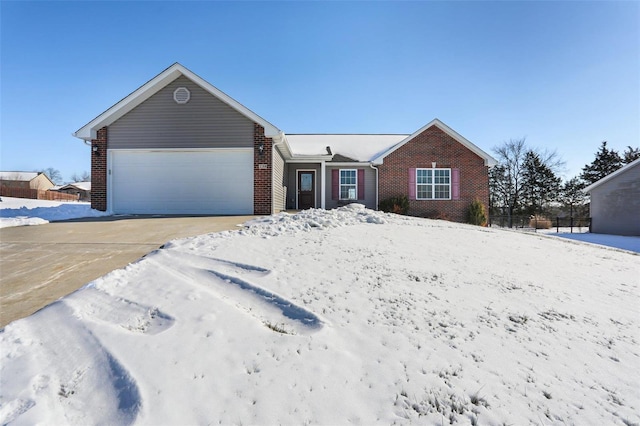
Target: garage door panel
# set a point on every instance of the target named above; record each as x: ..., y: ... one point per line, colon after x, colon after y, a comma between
x: 171, y: 182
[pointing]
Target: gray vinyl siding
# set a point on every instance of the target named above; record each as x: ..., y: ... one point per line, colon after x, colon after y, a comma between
x: 278, y: 184
x: 615, y: 205
x: 292, y: 182
x: 203, y: 122
x: 369, y: 188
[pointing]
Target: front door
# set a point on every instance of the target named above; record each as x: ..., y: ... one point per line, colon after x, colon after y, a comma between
x: 306, y: 190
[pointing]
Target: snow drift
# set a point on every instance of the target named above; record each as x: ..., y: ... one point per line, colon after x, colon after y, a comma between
x: 337, y: 317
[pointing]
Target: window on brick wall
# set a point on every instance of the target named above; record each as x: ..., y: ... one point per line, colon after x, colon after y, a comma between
x: 433, y: 184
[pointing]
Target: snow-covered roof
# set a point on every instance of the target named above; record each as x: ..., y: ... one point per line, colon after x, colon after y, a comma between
x: 84, y: 186
x: 24, y: 176
x: 368, y: 148
x: 144, y: 92
x: 356, y: 147
x: 612, y: 175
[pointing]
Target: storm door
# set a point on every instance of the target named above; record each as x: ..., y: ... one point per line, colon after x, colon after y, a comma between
x: 306, y: 190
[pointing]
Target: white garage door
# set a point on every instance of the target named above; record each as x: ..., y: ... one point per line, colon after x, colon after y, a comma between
x: 182, y: 182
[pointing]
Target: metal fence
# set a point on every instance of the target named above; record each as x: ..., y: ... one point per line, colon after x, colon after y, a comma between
x: 577, y: 224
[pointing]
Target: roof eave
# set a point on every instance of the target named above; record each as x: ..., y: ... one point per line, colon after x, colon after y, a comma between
x: 125, y: 105
x: 309, y: 158
x: 349, y: 163
x: 610, y: 176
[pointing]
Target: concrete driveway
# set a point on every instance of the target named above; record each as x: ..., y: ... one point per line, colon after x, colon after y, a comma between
x: 39, y: 264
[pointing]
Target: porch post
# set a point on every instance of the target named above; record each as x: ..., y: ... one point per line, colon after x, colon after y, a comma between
x: 322, y: 184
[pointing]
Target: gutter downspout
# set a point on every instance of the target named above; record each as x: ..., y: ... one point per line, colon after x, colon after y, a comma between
x: 273, y: 189
x: 376, y: 169
x: 323, y: 170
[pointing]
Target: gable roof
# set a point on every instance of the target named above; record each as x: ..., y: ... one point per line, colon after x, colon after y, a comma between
x: 488, y: 159
x: 22, y: 176
x: 356, y: 148
x: 83, y: 186
x: 151, y: 87
x: 610, y: 176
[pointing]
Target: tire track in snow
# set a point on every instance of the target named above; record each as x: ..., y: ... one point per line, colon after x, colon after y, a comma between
x: 221, y: 277
x: 13, y: 409
x: 94, y: 304
x: 288, y: 309
x: 77, y: 365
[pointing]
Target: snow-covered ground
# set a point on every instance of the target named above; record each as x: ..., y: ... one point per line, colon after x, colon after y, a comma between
x: 346, y: 316
x: 619, y: 241
x: 582, y: 234
x: 23, y: 211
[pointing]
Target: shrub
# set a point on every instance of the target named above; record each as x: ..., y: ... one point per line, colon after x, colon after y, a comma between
x: 477, y: 214
x: 397, y: 205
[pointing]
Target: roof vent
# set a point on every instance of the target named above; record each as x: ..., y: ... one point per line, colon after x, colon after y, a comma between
x: 181, y: 95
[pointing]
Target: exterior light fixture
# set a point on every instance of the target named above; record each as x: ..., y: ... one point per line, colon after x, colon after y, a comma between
x: 261, y: 148
x: 95, y: 150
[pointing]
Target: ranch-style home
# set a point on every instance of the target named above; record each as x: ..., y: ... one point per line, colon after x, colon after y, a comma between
x: 178, y: 145
x: 81, y: 189
x: 26, y: 180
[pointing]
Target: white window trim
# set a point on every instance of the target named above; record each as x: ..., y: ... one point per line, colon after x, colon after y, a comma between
x: 433, y: 183
x: 340, y: 184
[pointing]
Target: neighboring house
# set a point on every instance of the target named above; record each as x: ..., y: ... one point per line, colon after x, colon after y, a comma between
x: 26, y: 180
x: 615, y: 202
x: 81, y: 189
x: 178, y: 145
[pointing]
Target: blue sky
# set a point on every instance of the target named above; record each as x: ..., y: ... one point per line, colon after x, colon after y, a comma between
x: 565, y: 75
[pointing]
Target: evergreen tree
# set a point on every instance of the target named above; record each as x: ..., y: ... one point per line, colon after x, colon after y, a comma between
x: 540, y: 185
x: 572, y: 197
x: 630, y: 154
x: 606, y: 162
x: 499, y: 190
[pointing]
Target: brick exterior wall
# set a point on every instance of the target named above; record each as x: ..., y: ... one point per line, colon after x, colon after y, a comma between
x: 99, y: 171
x: 434, y: 145
x: 262, y: 181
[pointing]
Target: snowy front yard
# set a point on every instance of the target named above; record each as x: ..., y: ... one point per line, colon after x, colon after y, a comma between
x: 338, y: 317
x: 24, y: 211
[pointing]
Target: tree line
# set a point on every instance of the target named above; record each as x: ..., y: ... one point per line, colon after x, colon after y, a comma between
x: 526, y: 181
x: 55, y: 176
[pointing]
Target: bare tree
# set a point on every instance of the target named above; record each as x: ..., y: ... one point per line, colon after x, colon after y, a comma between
x: 53, y: 174
x: 508, y: 180
x: 83, y: 177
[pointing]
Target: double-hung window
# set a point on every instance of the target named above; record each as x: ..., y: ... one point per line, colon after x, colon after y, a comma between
x: 433, y: 184
x: 348, y: 184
